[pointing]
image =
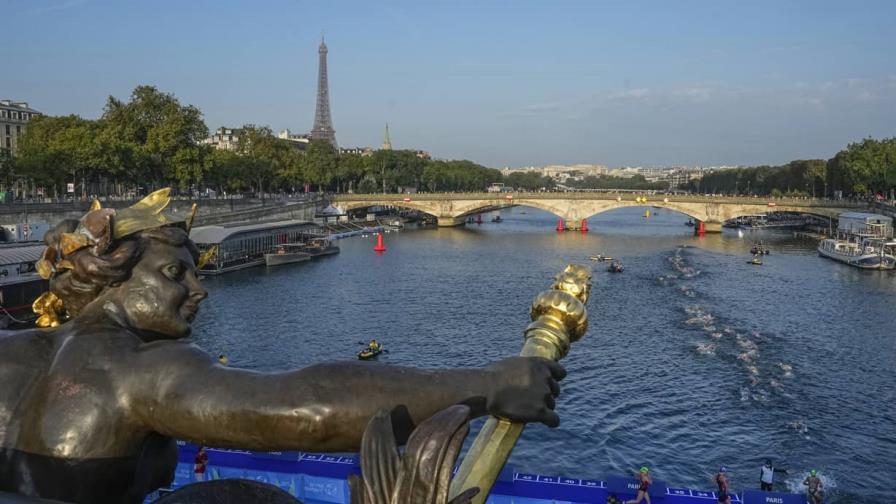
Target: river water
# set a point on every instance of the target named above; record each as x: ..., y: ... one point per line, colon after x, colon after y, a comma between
x: 694, y: 358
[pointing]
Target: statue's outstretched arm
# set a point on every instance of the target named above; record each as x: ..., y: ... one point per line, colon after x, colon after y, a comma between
x: 184, y: 393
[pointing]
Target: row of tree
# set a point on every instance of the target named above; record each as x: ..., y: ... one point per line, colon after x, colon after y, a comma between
x: 637, y: 182
x: 861, y: 170
x: 151, y: 141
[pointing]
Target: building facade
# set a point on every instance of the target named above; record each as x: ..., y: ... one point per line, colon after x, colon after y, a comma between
x: 301, y: 138
x: 224, y: 138
x: 13, y: 118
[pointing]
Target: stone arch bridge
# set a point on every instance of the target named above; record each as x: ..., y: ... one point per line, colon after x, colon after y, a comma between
x: 452, y: 209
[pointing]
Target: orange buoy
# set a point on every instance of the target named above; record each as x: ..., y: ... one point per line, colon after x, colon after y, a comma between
x: 701, y: 228
x: 560, y: 227
x: 380, y: 247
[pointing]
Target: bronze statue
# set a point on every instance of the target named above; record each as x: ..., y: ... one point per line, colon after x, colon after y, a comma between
x: 90, y: 404
x: 422, y: 475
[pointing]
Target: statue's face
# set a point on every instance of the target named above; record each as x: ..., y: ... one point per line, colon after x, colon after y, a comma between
x: 163, y: 293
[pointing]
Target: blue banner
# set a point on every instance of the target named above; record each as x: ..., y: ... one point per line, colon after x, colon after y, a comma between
x: 622, y: 485
x: 758, y: 497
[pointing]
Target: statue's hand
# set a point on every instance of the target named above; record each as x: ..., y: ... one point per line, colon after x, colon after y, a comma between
x: 523, y: 389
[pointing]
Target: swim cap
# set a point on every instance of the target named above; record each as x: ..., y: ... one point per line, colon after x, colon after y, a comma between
x: 813, y: 472
x: 723, y: 469
x: 645, y: 470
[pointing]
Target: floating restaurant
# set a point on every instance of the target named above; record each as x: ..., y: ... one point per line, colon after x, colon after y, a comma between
x: 231, y: 248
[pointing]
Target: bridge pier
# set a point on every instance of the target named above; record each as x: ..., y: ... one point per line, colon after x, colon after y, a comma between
x: 707, y: 227
x: 450, y: 221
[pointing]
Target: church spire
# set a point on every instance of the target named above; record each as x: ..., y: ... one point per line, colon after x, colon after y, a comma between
x: 387, y: 143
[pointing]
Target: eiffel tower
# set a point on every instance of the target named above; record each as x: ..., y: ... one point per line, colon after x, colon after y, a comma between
x: 323, y: 123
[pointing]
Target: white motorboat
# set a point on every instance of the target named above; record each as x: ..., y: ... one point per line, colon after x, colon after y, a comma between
x: 861, y: 252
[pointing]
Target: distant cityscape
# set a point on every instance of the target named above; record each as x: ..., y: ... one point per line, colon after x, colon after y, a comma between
x: 563, y: 174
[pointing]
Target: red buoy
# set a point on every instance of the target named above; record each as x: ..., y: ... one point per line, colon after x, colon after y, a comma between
x: 379, y: 243
x: 701, y: 228
x: 584, y: 227
x: 560, y: 227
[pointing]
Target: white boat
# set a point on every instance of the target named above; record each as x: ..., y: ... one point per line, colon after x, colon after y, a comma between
x: 861, y: 252
x: 863, y: 240
x: 287, y: 253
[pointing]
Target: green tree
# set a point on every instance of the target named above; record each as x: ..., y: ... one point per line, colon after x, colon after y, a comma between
x: 320, y: 163
x: 529, y: 181
x: 265, y: 157
x: 226, y: 171
x: 352, y: 169
x: 160, y: 136
x: 57, y: 150
x: 865, y: 167
x: 637, y: 182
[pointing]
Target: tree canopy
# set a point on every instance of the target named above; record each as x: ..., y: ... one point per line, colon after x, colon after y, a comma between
x: 863, y: 168
x: 152, y: 140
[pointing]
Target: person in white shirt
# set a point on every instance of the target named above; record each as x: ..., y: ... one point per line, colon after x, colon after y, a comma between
x: 767, y: 475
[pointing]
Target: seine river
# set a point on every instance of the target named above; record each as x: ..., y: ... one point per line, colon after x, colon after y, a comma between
x: 693, y: 359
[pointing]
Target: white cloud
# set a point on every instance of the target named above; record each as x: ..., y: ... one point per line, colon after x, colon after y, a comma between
x: 631, y: 94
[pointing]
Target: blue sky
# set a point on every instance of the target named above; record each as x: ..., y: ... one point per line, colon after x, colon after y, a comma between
x: 502, y: 83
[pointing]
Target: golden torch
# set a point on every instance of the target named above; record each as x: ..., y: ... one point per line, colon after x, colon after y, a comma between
x: 559, y: 318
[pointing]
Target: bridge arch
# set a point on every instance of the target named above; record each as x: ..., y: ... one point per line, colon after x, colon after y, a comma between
x: 552, y: 209
x: 692, y: 213
x: 453, y: 209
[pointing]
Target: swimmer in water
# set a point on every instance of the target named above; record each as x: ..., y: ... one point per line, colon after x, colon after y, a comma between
x: 644, y: 478
x: 813, y: 487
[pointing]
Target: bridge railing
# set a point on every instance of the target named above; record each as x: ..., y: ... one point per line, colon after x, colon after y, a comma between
x: 651, y: 198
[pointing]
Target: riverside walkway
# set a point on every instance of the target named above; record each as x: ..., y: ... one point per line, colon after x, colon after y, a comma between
x: 574, y: 208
